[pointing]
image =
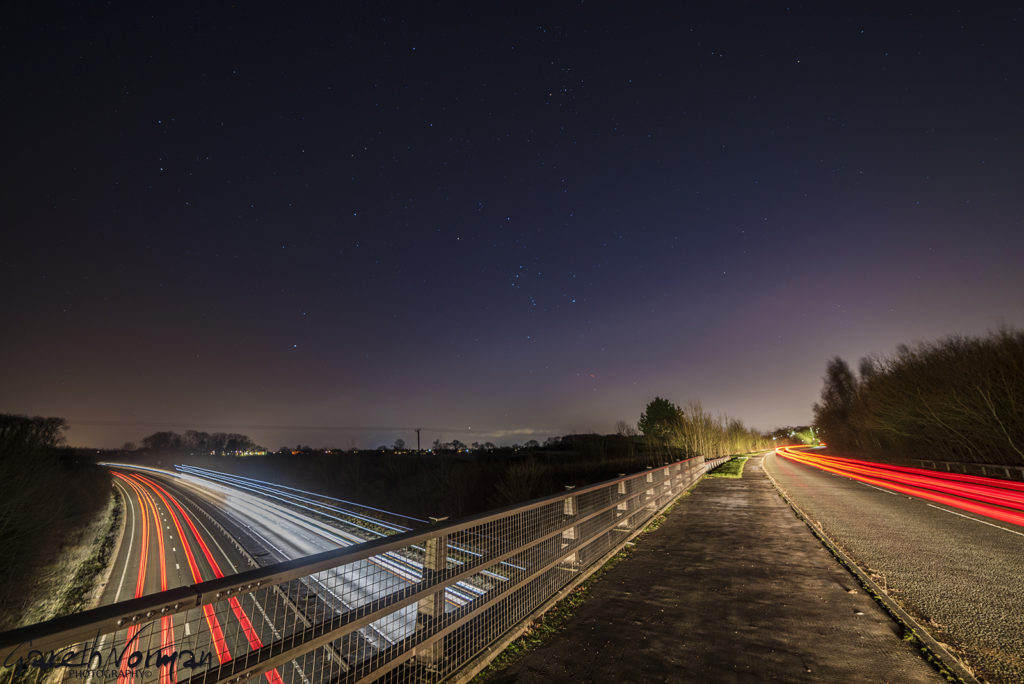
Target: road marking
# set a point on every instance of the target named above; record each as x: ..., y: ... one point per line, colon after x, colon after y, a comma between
x: 177, y: 567
x: 878, y: 488
x: 266, y: 618
x: 213, y: 538
x: 188, y: 632
x: 131, y: 541
x: 983, y: 522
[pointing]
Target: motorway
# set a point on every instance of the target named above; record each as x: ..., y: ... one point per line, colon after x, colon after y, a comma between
x: 173, y: 537
x: 166, y: 544
x: 950, y: 551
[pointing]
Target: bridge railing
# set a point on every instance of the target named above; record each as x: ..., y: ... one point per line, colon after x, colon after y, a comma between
x: 412, y: 607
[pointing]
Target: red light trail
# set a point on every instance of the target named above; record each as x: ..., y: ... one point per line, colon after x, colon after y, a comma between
x: 273, y: 676
x: 999, y: 499
x: 139, y: 485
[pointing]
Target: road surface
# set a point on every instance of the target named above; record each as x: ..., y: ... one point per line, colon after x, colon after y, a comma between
x: 166, y: 545
x: 959, y: 573
x: 177, y: 533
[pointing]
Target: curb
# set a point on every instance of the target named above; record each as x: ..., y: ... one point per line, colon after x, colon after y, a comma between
x: 931, y: 649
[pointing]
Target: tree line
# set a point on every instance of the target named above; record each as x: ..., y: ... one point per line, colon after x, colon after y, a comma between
x: 48, y: 495
x: 958, y: 399
x: 696, y: 431
x: 216, y: 444
x: 450, y: 482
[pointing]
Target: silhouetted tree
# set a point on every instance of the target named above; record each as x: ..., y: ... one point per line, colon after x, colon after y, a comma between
x: 197, y: 441
x: 661, y: 420
x: 834, y: 413
x: 959, y: 399
x: 163, y: 441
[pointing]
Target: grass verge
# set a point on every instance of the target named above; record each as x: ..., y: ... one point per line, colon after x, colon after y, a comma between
x: 732, y: 468
x: 81, y: 585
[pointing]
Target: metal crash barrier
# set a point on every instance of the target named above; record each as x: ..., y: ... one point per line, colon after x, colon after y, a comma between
x: 413, y: 607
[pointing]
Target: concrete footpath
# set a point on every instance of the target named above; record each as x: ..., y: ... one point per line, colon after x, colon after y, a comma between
x: 733, y: 587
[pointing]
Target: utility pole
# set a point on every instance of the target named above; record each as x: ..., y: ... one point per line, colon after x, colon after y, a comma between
x: 418, y: 438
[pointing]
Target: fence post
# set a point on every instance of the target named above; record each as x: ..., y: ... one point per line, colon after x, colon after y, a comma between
x: 430, y: 608
x: 569, y: 510
x: 623, y: 506
x: 649, y: 494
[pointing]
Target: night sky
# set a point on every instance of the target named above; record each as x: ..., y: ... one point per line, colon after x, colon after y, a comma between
x: 526, y: 221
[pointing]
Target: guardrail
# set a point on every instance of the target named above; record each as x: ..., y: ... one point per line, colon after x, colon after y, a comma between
x: 1003, y: 472
x: 413, y: 607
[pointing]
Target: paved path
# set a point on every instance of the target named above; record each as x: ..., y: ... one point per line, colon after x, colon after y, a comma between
x: 733, y: 587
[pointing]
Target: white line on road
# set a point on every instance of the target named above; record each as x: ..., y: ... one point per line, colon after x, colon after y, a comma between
x: 983, y: 522
x: 188, y: 632
x: 878, y: 488
x: 177, y: 567
x: 131, y: 541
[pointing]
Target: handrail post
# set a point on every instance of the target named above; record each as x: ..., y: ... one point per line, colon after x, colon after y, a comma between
x: 649, y: 494
x: 430, y: 609
x: 623, y: 506
x: 569, y: 510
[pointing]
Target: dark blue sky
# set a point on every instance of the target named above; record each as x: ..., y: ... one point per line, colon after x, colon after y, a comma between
x: 524, y: 220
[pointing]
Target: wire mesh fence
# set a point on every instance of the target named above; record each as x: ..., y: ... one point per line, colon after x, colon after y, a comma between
x: 413, y: 607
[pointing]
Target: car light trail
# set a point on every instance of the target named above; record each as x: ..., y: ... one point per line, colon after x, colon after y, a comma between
x: 279, y: 493
x: 408, y: 570
x: 332, y: 523
x: 140, y: 583
x: 216, y: 633
x: 273, y: 676
x: 168, y: 674
x: 998, y: 499
x: 204, y: 472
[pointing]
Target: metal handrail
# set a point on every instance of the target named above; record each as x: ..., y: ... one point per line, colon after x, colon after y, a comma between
x: 60, y: 632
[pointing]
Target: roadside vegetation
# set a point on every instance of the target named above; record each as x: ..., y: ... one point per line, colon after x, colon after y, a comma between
x: 958, y: 399
x: 49, y: 497
x: 77, y: 593
x: 443, y: 482
x: 694, y: 430
x: 455, y: 479
x: 733, y: 468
